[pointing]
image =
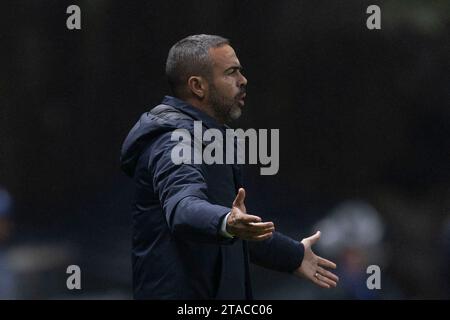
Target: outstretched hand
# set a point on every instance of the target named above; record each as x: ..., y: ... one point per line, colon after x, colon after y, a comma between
x: 246, y: 226
x: 313, y: 266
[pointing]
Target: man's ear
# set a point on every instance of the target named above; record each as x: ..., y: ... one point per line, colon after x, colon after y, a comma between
x: 198, y: 86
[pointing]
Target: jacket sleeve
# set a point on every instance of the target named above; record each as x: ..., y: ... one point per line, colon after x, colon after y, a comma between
x: 182, y: 191
x: 279, y: 253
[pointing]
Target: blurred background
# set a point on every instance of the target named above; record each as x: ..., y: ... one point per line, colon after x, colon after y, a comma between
x: 364, y: 123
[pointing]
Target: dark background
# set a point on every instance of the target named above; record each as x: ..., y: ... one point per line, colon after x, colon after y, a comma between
x: 363, y: 114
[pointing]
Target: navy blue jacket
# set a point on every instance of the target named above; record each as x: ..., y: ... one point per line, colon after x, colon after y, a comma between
x: 178, y: 251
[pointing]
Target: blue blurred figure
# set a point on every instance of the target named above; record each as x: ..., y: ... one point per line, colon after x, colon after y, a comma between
x: 7, y: 277
x: 354, y: 234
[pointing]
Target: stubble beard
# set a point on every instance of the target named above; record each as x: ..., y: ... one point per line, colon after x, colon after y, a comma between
x: 224, y: 108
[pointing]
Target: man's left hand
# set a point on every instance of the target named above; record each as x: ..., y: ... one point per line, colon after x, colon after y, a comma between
x: 313, y: 266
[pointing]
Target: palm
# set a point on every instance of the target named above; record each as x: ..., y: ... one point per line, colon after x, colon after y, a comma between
x: 246, y: 226
x: 313, y: 266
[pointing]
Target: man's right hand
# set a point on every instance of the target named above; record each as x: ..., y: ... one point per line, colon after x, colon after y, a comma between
x: 246, y: 226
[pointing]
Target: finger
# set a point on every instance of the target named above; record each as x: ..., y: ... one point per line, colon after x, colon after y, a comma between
x: 257, y: 237
x: 269, y: 230
x: 262, y: 237
x: 260, y: 231
x: 253, y: 233
x: 247, y: 218
x: 326, y: 263
x: 328, y: 281
x: 245, y: 234
x: 313, y: 239
x: 261, y: 225
x: 256, y: 230
x: 320, y: 283
x: 328, y: 274
x: 240, y: 197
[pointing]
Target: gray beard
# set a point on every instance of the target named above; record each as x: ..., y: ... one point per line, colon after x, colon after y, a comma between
x: 235, y: 112
x: 225, y: 109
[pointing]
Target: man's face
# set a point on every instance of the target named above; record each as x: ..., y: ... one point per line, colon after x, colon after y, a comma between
x: 227, y: 86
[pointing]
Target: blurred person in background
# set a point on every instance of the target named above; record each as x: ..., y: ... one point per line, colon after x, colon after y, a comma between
x: 353, y: 237
x: 7, y: 276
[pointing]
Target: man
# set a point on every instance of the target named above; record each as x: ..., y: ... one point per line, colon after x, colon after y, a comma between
x: 192, y: 235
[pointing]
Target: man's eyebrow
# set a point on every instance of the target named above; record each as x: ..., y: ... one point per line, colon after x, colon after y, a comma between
x: 235, y: 67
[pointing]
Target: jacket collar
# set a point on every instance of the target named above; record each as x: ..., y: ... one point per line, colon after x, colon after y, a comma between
x: 192, y: 111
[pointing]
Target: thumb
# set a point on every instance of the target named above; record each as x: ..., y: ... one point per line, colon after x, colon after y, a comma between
x: 248, y: 218
x: 313, y: 239
x: 240, y: 197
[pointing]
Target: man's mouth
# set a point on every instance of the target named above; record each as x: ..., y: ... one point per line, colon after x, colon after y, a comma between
x: 241, y: 98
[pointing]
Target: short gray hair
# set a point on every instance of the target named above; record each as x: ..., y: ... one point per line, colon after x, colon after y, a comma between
x: 189, y: 57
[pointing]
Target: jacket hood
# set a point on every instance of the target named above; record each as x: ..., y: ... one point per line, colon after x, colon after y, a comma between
x: 161, y: 119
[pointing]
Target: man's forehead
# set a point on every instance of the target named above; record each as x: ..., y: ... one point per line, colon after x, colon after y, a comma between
x: 223, y: 56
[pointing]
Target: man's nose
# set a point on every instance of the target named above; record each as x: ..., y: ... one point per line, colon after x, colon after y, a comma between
x: 243, y: 81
